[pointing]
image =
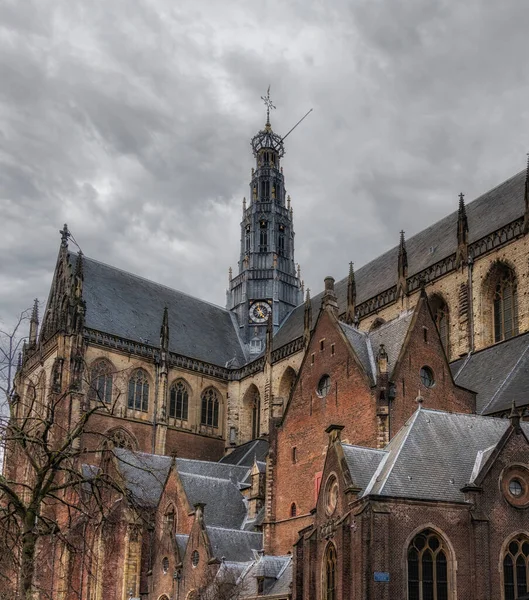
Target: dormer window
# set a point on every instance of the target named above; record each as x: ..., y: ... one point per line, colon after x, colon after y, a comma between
x: 255, y: 346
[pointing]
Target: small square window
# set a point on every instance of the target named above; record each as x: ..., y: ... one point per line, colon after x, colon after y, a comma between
x: 322, y: 344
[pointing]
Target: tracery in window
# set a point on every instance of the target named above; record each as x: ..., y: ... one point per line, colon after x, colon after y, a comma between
x: 178, y: 401
x: 210, y: 408
x: 329, y: 573
x: 516, y: 568
x: 101, y: 382
x: 119, y: 438
x: 427, y: 567
x: 138, y: 398
x: 441, y: 317
x: 505, y: 306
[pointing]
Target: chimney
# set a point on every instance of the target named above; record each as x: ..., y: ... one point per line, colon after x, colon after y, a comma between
x: 329, y: 301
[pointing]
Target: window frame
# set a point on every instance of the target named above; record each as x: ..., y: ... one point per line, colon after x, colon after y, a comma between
x: 174, y: 412
x: 443, y: 549
x: 138, y: 391
x: 210, y: 408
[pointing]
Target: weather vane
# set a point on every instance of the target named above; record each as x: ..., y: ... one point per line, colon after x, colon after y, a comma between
x: 269, y: 105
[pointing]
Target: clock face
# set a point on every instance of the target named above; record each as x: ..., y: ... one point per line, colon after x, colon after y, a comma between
x: 259, y: 312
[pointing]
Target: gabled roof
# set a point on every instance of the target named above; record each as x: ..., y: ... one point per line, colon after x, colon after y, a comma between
x: 144, y: 475
x: 433, y: 456
x: 277, y: 574
x: 494, y: 209
x: 499, y: 374
x: 224, y: 502
x: 128, y: 306
x: 233, y: 544
x: 362, y: 463
x: 181, y: 544
x: 245, y: 453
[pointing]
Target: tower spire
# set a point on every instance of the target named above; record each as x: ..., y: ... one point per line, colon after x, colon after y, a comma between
x: 34, y: 323
x: 402, y: 274
x: 462, y: 233
x: 351, y: 296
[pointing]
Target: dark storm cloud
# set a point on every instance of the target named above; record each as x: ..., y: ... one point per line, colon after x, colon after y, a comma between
x: 130, y: 120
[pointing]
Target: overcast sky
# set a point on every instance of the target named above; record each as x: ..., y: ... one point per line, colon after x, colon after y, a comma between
x: 131, y: 119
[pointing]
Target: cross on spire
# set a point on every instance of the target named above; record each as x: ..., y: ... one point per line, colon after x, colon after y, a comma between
x: 269, y: 105
x: 65, y: 234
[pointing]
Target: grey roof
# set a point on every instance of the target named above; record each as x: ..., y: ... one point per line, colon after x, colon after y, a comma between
x: 362, y: 463
x: 277, y: 571
x: 144, y: 475
x: 218, y: 470
x: 392, y: 334
x: 494, y: 209
x: 499, y: 374
x: 181, y: 544
x: 433, y: 456
x: 234, y: 544
x: 128, y: 306
x: 359, y: 341
x: 246, y: 453
x: 225, y: 505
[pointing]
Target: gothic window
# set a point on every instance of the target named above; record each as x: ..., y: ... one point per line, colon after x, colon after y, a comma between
x: 329, y: 573
x: 281, y: 241
x: 265, y: 190
x: 263, y: 236
x: 293, y: 509
x: 247, y: 239
x: 256, y: 416
x: 169, y: 520
x: 210, y: 408
x: 427, y: 567
x: 101, y: 382
x: 516, y: 568
x: 505, y: 306
x: 178, y: 401
x: 139, y: 391
x: 440, y: 315
x: 119, y: 438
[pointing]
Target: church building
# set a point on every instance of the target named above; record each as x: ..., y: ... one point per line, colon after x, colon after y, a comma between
x: 366, y: 443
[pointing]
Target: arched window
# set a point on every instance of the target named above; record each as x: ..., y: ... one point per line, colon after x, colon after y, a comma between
x: 440, y: 315
x: 101, y: 382
x: 139, y: 391
x: 247, y: 239
x: 281, y: 240
x: 329, y: 573
x: 263, y: 236
x: 293, y: 509
x: 505, y: 306
x: 178, y: 401
x: 119, y: 438
x: 516, y: 568
x: 169, y: 520
x: 427, y: 567
x: 210, y: 408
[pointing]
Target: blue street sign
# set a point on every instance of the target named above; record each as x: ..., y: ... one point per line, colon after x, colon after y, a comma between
x: 382, y: 576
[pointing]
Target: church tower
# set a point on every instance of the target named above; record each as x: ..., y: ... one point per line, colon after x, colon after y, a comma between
x: 267, y: 284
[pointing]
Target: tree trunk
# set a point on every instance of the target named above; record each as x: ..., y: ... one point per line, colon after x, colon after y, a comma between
x: 27, y: 564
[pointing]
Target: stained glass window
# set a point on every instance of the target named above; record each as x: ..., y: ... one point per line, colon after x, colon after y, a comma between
x: 138, y: 398
x: 178, y: 401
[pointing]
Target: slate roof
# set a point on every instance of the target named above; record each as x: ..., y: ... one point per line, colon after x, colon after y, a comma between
x: 144, y: 475
x: 367, y: 344
x: 499, y: 374
x: 277, y: 571
x: 434, y: 454
x: 233, y: 544
x: 362, y: 463
x: 218, y: 470
x: 128, y: 306
x: 224, y: 502
x: 492, y: 210
x: 181, y: 544
x: 245, y: 454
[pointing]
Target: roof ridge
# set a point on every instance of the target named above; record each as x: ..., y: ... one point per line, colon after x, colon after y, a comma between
x: 162, y: 285
x: 209, y: 462
x: 236, y: 530
x: 210, y: 477
x: 365, y: 448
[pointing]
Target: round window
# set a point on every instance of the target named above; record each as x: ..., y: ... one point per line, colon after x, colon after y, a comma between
x: 324, y: 386
x: 515, y: 488
x: 165, y: 565
x: 427, y: 377
x: 195, y: 557
x: 331, y: 495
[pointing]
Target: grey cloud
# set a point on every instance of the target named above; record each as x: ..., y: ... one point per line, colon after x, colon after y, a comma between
x: 131, y: 121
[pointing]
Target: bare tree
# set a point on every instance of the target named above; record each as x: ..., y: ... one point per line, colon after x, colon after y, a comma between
x: 11, y: 342
x: 54, y: 493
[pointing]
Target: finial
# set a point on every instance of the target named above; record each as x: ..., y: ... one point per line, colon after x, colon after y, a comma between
x: 419, y: 398
x: 514, y: 417
x: 461, y: 200
x: 356, y: 321
x: 79, y: 264
x: 65, y: 234
x: 402, y: 239
x: 299, y: 271
x: 288, y: 201
x: 244, y: 204
x: 307, y: 297
x: 35, y: 312
x: 269, y: 106
x: 19, y: 361
x: 302, y: 287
